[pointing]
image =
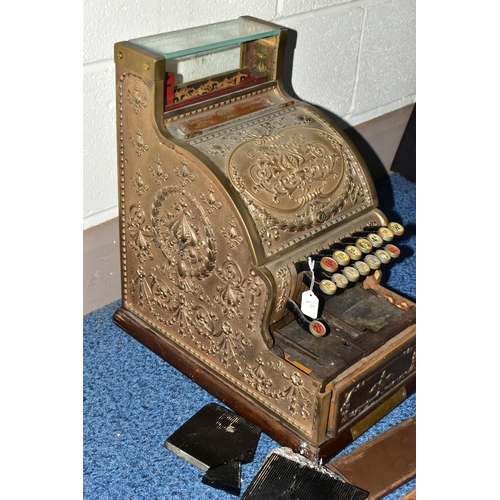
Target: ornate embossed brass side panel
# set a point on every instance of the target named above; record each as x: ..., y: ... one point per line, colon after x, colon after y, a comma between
x: 186, y: 269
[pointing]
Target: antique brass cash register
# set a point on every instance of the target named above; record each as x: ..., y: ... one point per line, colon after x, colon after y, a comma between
x: 251, y: 242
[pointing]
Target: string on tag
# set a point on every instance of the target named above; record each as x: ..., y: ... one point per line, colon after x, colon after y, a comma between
x: 311, y: 267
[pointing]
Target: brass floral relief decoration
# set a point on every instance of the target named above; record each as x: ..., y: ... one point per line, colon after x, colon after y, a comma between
x: 231, y: 235
x: 157, y: 171
x: 138, y: 142
x: 211, y: 203
x: 136, y: 99
x: 298, y: 398
x: 188, y: 278
x: 139, y: 183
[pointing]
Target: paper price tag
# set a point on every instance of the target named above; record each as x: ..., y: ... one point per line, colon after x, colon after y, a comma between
x: 309, y: 304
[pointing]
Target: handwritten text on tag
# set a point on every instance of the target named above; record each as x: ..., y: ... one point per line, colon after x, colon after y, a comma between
x: 309, y: 304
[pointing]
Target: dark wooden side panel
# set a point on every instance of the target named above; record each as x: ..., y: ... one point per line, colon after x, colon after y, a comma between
x: 383, y: 463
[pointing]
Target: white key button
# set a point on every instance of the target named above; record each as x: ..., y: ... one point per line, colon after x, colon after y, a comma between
x: 340, y: 280
x: 392, y: 250
x: 373, y: 261
x: 385, y: 233
x: 341, y: 257
x: 317, y: 328
x: 329, y: 264
x: 396, y: 228
x: 353, y: 252
x: 351, y: 274
x: 375, y: 240
x: 362, y: 267
x: 384, y: 257
x: 327, y: 287
x: 364, y: 245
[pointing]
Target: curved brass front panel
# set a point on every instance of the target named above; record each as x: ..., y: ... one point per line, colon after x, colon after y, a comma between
x: 287, y: 171
x: 293, y: 169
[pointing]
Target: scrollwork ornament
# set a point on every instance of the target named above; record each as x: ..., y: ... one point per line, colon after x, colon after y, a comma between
x: 387, y: 379
x: 274, y: 225
x: 256, y: 377
x: 140, y: 287
x: 161, y: 294
x: 269, y: 235
x: 231, y: 294
x: 265, y: 129
x: 297, y: 396
x: 140, y: 233
x: 204, y: 322
x: 290, y: 167
x: 230, y: 343
x: 218, y: 149
x: 283, y: 279
x: 292, y: 175
x: 182, y: 315
x: 303, y: 120
x: 185, y: 237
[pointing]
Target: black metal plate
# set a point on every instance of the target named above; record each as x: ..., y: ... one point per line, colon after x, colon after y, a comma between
x: 225, y: 477
x: 281, y: 478
x: 215, y: 436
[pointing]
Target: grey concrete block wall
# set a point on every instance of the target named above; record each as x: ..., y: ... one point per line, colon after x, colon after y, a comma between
x: 110, y: 21
x: 355, y: 59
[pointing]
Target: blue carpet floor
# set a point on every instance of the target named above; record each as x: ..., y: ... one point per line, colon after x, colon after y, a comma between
x: 133, y: 400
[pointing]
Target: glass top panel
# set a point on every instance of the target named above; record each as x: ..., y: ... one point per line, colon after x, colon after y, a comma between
x: 201, y: 38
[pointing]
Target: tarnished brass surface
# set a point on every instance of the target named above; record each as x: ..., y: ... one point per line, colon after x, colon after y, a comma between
x: 217, y: 203
x: 221, y: 115
x: 140, y: 61
x: 294, y: 171
x: 186, y: 267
